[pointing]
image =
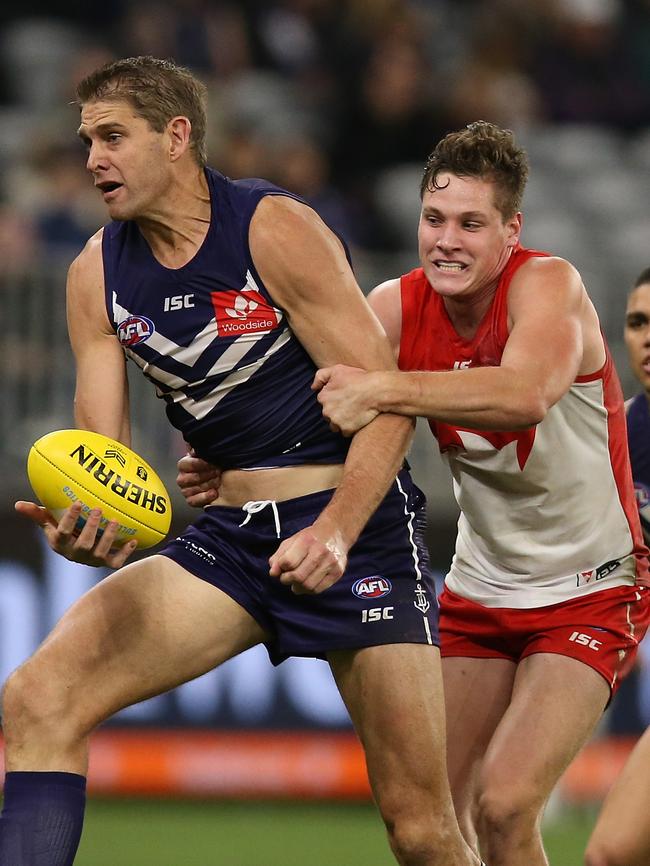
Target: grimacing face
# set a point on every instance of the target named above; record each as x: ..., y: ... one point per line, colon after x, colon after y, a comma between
x: 463, y: 240
x: 637, y: 334
x: 129, y: 161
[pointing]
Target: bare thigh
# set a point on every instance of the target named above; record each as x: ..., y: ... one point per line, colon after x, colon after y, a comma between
x: 394, y: 696
x: 477, y: 694
x: 556, y: 703
x: 143, y: 630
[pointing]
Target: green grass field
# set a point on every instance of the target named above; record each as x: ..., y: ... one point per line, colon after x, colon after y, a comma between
x: 163, y: 833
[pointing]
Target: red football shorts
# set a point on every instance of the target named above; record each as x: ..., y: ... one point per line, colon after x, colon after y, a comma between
x: 602, y: 629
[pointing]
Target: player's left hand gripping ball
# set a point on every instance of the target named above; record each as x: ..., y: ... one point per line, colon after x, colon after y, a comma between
x: 67, y: 466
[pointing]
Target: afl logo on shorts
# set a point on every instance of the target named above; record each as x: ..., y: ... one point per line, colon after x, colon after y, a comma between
x: 372, y: 587
x: 134, y: 330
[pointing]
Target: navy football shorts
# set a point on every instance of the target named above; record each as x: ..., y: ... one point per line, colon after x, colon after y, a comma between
x: 386, y: 595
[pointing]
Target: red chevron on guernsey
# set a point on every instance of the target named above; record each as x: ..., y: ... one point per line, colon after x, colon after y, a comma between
x: 448, y: 438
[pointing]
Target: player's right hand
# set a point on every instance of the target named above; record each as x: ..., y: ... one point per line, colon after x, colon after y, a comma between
x: 82, y: 546
x: 312, y: 560
x: 198, y: 480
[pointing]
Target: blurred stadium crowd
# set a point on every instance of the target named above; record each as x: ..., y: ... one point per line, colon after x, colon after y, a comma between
x: 327, y: 97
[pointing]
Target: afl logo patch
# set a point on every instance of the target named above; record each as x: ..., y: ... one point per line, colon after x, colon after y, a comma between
x: 372, y: 587
x: 134, y: 330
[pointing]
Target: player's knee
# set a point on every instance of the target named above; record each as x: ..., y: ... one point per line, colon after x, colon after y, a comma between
x: 417, y: 840
x: 32, y: 701
x: 505, y: 813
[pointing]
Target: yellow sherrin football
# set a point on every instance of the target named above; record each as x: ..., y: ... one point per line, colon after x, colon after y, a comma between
x: 70, y: 465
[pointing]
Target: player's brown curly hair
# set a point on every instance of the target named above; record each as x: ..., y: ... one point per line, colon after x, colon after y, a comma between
x: 157, y: 89
x: 486, y: 151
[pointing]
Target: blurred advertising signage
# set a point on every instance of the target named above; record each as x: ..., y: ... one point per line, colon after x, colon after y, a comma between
x: 150, y: 762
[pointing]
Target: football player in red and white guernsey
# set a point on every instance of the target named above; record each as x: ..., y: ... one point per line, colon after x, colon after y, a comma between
x: 546, y: 599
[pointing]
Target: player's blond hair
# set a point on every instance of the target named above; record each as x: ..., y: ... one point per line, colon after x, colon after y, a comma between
x: 158, y: 90
x: 486, y: 151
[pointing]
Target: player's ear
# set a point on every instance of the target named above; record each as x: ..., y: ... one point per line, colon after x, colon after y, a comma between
x: 514, y: 229
x: 179, y: 130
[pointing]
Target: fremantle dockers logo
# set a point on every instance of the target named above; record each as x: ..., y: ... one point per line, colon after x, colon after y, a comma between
x: 421, y: 602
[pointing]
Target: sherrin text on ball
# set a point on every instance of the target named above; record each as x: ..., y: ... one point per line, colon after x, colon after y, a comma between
x: 70, y: 465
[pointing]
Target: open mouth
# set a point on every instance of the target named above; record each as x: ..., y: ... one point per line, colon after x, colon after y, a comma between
x: 108, y: 186
x: 450, y: 267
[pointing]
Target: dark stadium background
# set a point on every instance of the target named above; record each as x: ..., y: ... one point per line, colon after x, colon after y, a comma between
x: 341, y: 101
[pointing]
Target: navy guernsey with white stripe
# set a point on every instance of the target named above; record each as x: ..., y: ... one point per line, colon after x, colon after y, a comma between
x: 236, y: 381
x: 638, y: 437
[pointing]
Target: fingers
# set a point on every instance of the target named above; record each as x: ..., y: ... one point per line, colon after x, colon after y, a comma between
x: 120, y: 556
x: 86, y: 543
x: 196, y: 468
x: 198, y: 480
x: 307, y: 564
x: 321, y: 378
x: 90, y: 537
x: 192, y: 484
x: 36, y: 513
x: 200, y: 500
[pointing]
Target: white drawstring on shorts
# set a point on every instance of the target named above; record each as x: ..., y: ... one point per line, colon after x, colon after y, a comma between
x: 259, y: 505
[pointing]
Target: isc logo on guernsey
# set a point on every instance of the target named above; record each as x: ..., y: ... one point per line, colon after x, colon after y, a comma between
x: 374, y: 586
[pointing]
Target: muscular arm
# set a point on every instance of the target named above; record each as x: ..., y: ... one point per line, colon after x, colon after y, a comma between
x: 541, y: 359
x: 554, y: 336
x: 101, y: 404
x: 305, y: 269
x: 101, y: 394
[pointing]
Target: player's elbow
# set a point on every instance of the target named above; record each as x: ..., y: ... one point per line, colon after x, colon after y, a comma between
x: 528, y: 410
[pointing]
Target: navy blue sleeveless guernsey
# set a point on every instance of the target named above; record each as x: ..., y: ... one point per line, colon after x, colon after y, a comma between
x: 638, y: 437
x: 236, y: 381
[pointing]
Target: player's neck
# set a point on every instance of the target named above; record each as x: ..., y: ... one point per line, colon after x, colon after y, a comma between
x: 177, y: 227
x: 467, y: 312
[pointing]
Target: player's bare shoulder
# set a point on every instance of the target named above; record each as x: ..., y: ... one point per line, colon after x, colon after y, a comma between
x: 551, y: 271
x: 283, y: 228
x: 88, y: 265
x: 299, y: 258
x: 550, y: 280
x: 85, y: 285
x: 550, y: 290
x: 283, y: 209
x: 386, y: 303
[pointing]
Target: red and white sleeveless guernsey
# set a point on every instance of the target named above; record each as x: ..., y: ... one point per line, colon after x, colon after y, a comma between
x: 547, y: 513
